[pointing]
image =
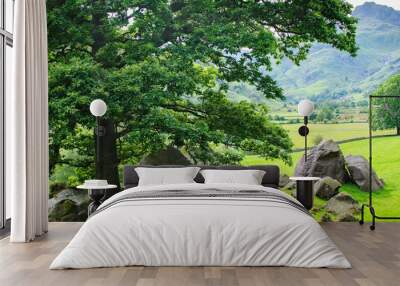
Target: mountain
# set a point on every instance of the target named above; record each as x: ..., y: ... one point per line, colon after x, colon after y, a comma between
x: 378, y: 12
x: 329, y: 74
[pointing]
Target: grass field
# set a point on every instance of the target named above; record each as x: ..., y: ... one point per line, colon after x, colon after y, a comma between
x: 386, y: 162
x: 342, y: 114
x: 337, y: 132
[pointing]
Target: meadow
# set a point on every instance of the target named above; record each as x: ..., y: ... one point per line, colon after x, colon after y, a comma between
x: 337, y: 132
x: 386, y: 162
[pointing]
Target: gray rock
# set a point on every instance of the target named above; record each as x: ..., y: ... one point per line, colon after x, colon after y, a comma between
x: 358, y: 168
x: 346, y: 217
x: 342, y: 204
x: 326, y: 218
x: 291, y: 186
x: 55, y: 188
x: 325, y: 159
x: 169, y: 156
x: 284, y: 180
x: 326, y: 188
x: 69, y: 205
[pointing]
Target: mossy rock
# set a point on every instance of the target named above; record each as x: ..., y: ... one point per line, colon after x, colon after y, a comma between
x: 347, y: 217
x: 69, y: 205
x: 326, y: 217
x: 55, y: 188
x: 326, y: 188
x: 68, y: 210
x: 344, y: 206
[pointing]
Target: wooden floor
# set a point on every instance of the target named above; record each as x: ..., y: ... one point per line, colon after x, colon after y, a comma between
x: 375, y: 257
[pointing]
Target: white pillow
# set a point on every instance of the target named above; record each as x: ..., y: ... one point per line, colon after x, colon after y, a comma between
x: 247, y: 177
x: 166, y: 175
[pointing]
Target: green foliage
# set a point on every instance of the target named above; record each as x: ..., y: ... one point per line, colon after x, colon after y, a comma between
x: 163, y: 68
x: 325, y: 114
x: 386, y: 111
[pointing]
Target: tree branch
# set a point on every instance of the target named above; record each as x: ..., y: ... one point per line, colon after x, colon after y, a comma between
x: 180, y: 108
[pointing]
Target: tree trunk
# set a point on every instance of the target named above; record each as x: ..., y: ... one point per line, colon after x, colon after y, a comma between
x: 398, y: 130
x: 106, y: 150
x: 99, y: 14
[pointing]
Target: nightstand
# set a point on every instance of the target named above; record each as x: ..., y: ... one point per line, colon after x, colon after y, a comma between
x: 304, y: 190
x: 97, y: 194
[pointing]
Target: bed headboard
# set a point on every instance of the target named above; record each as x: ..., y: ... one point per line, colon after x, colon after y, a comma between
x: 271, y: 177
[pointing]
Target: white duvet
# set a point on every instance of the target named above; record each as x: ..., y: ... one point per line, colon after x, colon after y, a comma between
x: 200, y: 231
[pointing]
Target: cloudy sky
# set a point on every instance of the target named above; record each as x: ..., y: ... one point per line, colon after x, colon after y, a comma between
x: 392, y: 3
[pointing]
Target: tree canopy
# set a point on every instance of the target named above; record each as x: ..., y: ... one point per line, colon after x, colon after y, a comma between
x: 325, y: 114
x: 164, y: 67
x: 386, y: 111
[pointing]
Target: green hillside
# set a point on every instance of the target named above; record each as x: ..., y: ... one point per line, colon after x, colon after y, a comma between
x: 328, y: 74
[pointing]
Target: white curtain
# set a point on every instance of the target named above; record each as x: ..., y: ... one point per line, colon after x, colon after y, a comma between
x: 27, y: 124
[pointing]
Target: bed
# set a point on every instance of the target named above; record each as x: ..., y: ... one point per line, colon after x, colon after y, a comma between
x: 201, y: 224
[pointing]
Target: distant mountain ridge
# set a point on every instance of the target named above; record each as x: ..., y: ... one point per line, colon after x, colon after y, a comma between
x: 379, y: 12
x: 329, y: 74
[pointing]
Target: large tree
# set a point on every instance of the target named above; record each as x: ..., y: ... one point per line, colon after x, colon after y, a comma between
x: 386, y: 110
x: 163, y: 67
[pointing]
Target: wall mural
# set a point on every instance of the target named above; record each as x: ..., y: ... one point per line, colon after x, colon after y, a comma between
x: 219, y: 83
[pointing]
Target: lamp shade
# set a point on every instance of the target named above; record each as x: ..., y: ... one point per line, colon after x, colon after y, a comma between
x: 98, y: 107
x: 305, y: 107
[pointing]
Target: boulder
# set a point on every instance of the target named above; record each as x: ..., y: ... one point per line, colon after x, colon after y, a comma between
x: 290, y: 186
x: 55, y: 188
x: 358, y: 168
x: 342, y: 204
x: 325, y: 159
x: 284, y: 180
x: 326, y: 188
x: 326, y: 218
x: 69, y: 205
x: 168, y: 156
x: 346, y: 217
